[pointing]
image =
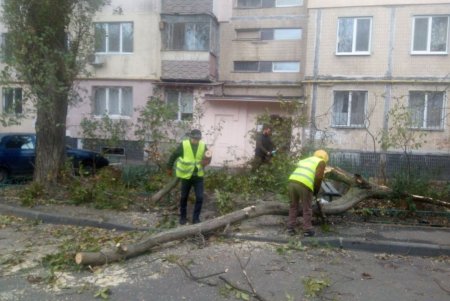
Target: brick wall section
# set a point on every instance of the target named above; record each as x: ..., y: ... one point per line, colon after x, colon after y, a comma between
x: 186, y: 70
x: 184, y: 6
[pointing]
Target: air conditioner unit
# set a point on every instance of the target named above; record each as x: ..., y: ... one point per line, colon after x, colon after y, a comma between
x: 96, y: 60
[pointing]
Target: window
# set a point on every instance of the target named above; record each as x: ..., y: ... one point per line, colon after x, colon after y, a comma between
x: 281, y: 34
x: 187, y: 33
x: 268, y: 3
x: 287, y: 3
x: 427, y: 109
x: 266, y: 66
x: 114, y: 37
x: 430, y: 35
x: 269, y: 34
x: 349, y: 108
x: 182, y: 103
x: 113, y: 101
x: 20, y: 142
x: 354, y: 35
x: 5, y: 47
x: 285, y: 67
x: 248, y: 34
x: 249, y: 3
x: 12, y: 100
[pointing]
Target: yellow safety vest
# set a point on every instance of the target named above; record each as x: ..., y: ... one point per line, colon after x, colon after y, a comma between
x: 186, y: 165
x: 306, y: 171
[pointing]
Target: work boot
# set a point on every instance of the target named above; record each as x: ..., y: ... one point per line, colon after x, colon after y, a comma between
x: 196, y: 221
x: 183, y: 221
x: 291, y: 231
x: 309, y: 233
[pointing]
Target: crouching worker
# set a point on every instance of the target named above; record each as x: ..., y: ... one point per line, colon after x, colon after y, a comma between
x: 189, y: 157
x: 303, y: 183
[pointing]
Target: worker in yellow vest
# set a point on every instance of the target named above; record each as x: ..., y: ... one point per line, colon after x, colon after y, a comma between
x: 303, y: 183
x: 189, y: 158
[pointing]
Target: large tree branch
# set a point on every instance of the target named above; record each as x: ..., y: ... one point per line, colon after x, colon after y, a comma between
x: 360, y: 189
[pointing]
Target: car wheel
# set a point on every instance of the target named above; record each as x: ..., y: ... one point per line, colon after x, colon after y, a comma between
x: 87, y: 168
x: 3, y: 176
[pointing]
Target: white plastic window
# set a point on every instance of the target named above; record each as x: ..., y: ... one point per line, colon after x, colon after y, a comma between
x: 354, y: 36
x: 116, y: 102
x: 430, y: 35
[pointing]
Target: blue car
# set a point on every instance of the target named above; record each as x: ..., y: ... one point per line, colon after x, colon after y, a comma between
x: 17, y: 155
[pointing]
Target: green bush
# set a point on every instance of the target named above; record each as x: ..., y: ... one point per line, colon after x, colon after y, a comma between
x: 105, y: 190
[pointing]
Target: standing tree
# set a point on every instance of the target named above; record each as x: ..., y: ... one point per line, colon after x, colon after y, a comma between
x: 50, y: 41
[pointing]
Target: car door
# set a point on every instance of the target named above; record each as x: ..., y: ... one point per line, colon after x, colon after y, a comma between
x: 20, y: 153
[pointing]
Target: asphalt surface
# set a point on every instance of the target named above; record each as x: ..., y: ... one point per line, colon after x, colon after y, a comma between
x: 353, y: 261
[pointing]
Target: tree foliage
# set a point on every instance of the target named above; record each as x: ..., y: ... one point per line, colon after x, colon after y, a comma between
x: 49, y: 42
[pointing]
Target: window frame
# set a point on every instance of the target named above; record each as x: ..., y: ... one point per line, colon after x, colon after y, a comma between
x: 265, y: 4
x: 14, y: 100
x: 120, y: 38
x: 194, y: 25
x: 121, y: 103
x: 300, y: 3
x: 349, y: 124
x: 424, y: 116
x: 179, y: 112
x: 273, y: 34
x: 286, y: 70
x: 428, y: 51
x: 354, y: 36
x: 263, y: 67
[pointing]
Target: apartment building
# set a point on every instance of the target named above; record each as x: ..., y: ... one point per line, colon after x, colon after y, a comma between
x: 349, y: 62
x: 368, y: 58
x: 262, y: 57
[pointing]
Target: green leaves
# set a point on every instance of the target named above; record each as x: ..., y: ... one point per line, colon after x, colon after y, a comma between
x: 315, y: 286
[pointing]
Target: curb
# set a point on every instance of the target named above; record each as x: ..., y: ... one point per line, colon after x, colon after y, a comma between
x: 376, y: 246
x: 65, y: 220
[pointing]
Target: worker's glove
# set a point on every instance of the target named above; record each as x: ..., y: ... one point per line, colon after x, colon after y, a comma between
x: 273, y: 152
x: 169, y: 172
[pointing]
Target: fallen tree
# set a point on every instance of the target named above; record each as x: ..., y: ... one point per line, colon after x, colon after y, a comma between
x: 359, y: 190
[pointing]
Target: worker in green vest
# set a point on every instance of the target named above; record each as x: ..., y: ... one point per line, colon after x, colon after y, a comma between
x: 303, y: 183
x: 189, y: 158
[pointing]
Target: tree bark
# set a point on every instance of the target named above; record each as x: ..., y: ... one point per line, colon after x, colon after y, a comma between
x: 124, y: 252
x: 165, y: 190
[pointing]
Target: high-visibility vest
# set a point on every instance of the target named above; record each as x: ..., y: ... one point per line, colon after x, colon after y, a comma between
x: 305, y: 172
x: 186, y: 165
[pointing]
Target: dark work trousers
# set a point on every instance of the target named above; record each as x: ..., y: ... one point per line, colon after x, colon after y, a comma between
x: 299, y: 192
x: 186, y: 184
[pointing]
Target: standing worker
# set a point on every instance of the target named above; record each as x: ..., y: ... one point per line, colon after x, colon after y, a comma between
x: 189, y: 157
x: 265, y: 148
x: 303, y: 183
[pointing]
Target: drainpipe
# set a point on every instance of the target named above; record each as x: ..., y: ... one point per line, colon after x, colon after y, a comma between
x: 312, y: 128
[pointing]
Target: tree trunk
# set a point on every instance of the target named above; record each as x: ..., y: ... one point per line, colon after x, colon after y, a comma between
x: 50, y: 135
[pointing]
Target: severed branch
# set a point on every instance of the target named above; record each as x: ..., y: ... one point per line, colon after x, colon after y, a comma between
x: 441, y: 286
x: 244, y: 272
x: 258, y: 297
x: 191, y: 276
x: 165, y: 190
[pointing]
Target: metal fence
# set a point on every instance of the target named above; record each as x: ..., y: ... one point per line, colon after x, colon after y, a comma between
x: 368, y: 164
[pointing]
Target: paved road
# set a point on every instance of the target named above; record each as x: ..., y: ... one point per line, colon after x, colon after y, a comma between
x: 277, y: 271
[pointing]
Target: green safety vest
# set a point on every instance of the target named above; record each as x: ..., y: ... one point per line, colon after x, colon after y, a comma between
x: 306, y: 171
x: 186, y: 165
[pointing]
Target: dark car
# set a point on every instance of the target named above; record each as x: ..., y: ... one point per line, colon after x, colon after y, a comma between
x: 17, y: 155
